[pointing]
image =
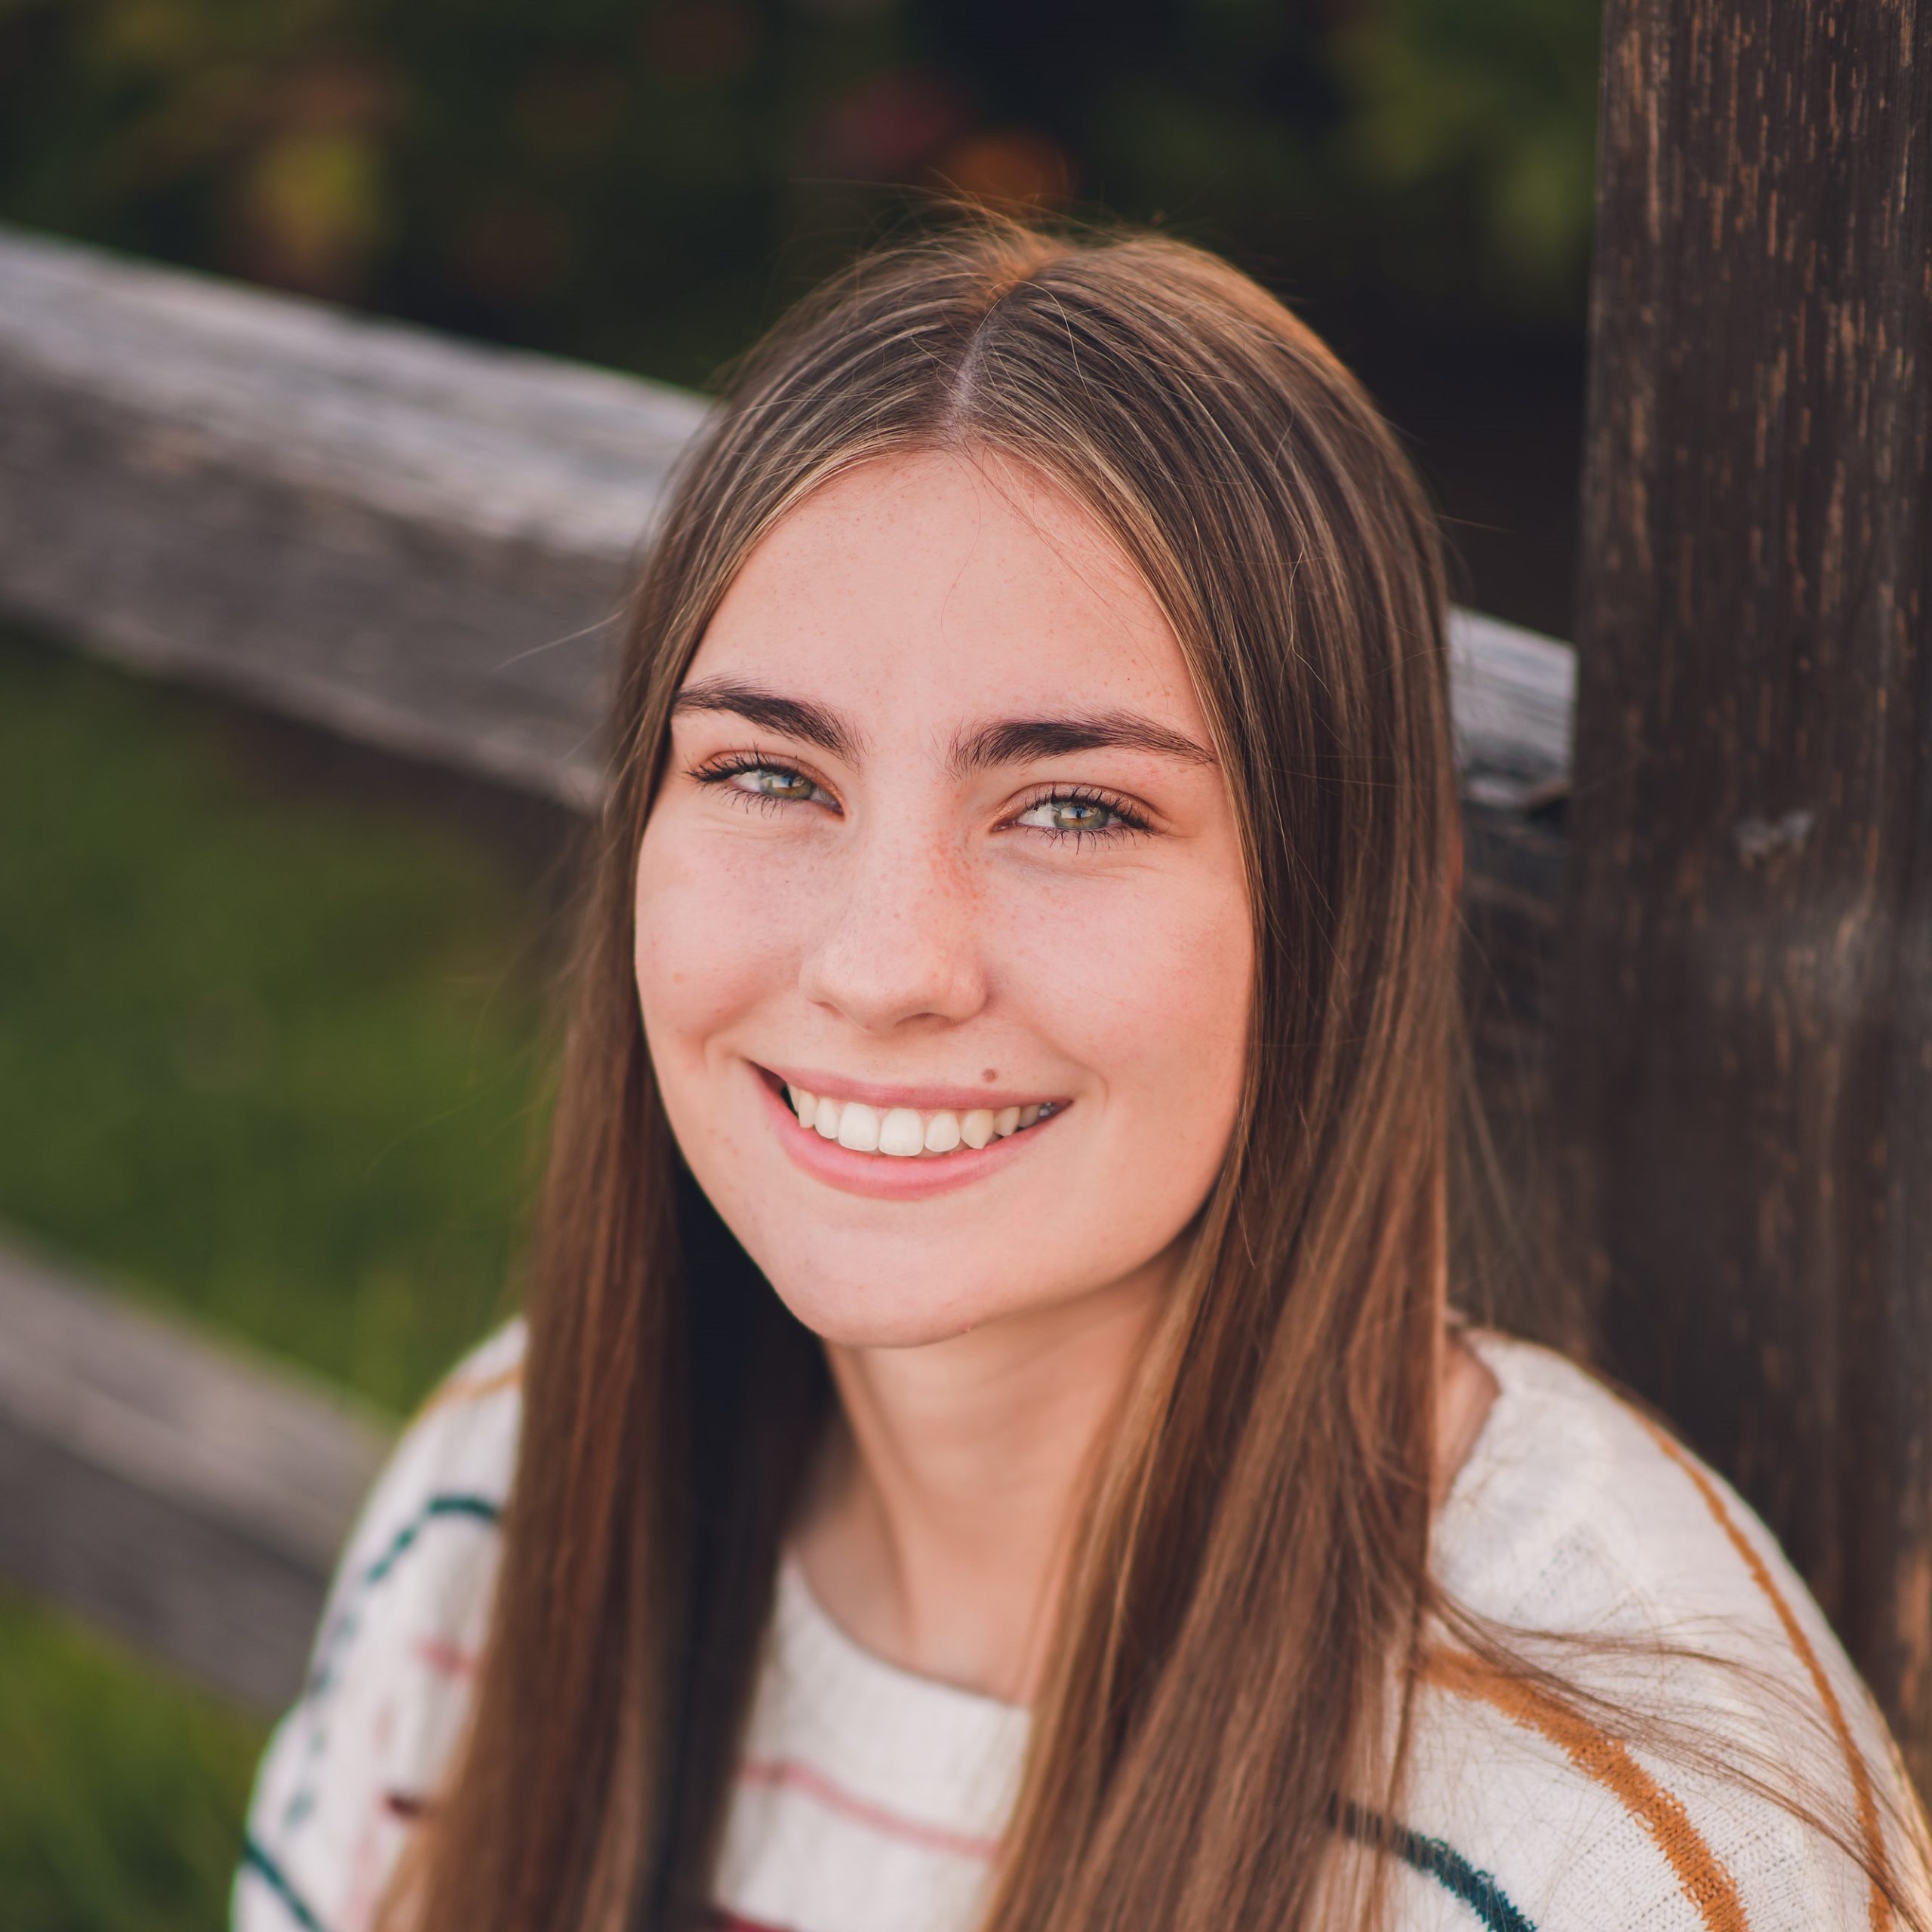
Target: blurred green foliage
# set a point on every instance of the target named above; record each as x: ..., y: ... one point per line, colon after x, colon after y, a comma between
x: 644, y: 184
x: 120, y: 1788
x: 269, y: 1057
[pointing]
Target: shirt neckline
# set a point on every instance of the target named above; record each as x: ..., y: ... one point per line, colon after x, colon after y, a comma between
x: 805, y: 1622
x: 820, y: 1648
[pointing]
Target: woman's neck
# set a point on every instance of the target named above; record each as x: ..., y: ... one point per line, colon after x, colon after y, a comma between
x: 938, y: 1535
x: 941, y: 1528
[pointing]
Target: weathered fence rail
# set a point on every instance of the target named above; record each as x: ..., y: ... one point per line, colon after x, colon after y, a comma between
x: 421, y: 543
x: 185, y: 1495
x: 414, y: 540
x: 417, y: 541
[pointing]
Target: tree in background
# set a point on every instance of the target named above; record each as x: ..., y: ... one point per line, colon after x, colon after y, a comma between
x: 645, y: 184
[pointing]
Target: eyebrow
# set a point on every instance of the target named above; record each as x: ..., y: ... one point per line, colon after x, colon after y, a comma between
x: 796, y: 718
x: 1005, y: 741
x: 1014, y: 741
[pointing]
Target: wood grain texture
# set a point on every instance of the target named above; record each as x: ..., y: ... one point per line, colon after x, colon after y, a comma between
x: 1746, y: 1039
x: 420, y: 542
x: 189, y: 1497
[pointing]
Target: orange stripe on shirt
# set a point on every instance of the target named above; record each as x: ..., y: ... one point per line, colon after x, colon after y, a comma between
x: 1708, y: 1885
x: 470, y: 1389
x: 1878, y: 1906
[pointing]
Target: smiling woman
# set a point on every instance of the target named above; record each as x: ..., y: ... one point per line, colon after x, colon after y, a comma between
x: 993, y: 1446
x: 939, y: 842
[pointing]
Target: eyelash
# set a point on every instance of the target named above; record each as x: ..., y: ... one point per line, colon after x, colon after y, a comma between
x: 721, y: 771
x: 1132, y: 824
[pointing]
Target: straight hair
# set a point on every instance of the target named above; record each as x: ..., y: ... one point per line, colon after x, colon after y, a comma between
x: 1233, y: 1654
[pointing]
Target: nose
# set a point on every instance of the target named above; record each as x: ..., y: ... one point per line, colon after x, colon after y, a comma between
x: 901, y: 942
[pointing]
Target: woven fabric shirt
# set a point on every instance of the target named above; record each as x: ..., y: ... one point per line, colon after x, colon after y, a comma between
x: 871, y: 1800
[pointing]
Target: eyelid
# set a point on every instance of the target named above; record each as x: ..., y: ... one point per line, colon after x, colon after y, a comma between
x: 755, y: 758
x: 1132, y: 814
x: 1136, y: 820
x: 722, y: 766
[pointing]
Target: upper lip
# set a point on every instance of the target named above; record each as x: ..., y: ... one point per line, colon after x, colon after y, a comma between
x: 922, y: 1099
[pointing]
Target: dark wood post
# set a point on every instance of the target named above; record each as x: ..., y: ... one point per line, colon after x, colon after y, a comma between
x: 1748, y: 970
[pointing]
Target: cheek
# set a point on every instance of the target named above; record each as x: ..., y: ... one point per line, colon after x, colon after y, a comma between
x: 709, y: 945
x: 1150, y: 989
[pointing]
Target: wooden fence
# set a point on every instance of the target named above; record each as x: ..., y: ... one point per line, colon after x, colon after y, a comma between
x: 181, y: 1494
x: 1746, y: 1026
x: 421, y: 543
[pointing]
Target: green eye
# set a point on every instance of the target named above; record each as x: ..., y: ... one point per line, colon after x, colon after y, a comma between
x: 763, y: 784
x: 1077, y: 815
x: 771, y: 783
x: 1072, y: 815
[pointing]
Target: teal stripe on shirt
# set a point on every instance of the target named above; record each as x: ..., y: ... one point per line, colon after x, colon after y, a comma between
x: 1444, y: 1863
x: 257, y: 1862
x: 446, y: 1506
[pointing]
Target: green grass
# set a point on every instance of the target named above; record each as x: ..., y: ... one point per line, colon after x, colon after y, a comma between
x: 265, y: 1057
x: 269, y: 1057
x: 121, y: 1788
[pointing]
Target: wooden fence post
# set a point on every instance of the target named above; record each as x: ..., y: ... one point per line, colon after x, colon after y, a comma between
x: 1747, y: 1030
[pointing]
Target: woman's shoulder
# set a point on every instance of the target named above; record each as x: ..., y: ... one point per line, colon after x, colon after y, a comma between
x: 1576, y: 1512
x: 1632, y: 1572
x: 388, y: 1682
x: 1575, y: 1509
x: 461, y: 1443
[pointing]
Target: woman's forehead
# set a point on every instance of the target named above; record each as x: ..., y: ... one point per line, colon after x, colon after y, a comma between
x: 939, y: 586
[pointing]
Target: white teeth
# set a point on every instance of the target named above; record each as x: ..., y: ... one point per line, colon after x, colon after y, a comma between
x: 904, y: 1133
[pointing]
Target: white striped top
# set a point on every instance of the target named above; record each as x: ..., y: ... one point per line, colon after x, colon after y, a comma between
x: 871, y: 1800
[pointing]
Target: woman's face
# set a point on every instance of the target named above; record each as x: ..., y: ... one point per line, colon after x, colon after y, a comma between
x: 941, y: 843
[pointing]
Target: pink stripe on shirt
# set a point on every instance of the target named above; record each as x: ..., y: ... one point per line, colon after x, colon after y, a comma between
x: 788, y: 1774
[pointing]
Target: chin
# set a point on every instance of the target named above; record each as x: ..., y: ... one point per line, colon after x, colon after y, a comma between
x: 875, y: 1315
x: 890, y: 1301
x: 844, y: 1327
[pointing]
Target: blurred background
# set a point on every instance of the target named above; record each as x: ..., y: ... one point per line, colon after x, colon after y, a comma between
x: 270, y: 1049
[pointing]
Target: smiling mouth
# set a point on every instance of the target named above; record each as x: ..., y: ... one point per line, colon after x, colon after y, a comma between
x: 909, y: 1133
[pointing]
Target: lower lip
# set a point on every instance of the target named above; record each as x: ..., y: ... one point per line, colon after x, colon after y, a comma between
x: 886, y: 1176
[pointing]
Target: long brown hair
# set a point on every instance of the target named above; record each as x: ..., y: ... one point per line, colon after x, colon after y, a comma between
x: 1231, y: 1657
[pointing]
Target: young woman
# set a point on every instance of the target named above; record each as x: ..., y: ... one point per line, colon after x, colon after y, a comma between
x: 989, y: 1446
